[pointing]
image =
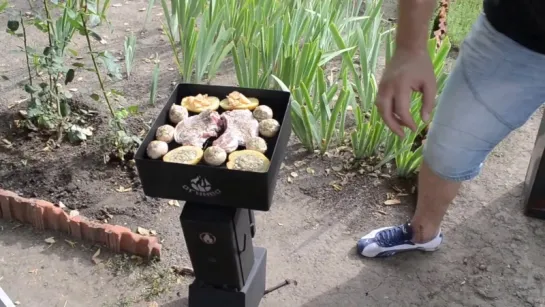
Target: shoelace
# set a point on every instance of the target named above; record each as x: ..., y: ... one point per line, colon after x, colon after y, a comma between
x: 393, y: 236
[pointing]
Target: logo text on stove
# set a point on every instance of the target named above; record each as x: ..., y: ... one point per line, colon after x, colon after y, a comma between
x: 201, y: 187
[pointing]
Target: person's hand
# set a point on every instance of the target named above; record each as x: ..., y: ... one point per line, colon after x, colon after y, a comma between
x: 406, y: 72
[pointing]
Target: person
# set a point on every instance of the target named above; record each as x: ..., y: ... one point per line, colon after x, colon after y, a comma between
x: 496, y: 84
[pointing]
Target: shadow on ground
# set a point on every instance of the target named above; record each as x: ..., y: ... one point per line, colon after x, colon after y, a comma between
x: 513, y: 255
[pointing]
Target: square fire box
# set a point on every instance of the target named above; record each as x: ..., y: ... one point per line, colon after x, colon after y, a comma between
x: 216, y: 185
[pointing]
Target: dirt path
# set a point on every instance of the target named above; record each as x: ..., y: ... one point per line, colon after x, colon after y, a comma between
x: 492, y: 254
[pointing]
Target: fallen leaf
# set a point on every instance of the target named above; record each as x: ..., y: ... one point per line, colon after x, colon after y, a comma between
x: 61, y: 205
x: 74, y: 213
x: 50, y: 240
x: 185, y: 271
x: 391, y: 202
x: 6, y: 142
x: 72, y: 244
x: 153, y: 232
x: 336, y: 187
x: 299, y: 163
x: 143, y: 231
x: 123, y: 190
x: 174, y: 203
x: 310, y: 171
x: 294, y: 174
x: 337, y: 168
x: 95, y: 257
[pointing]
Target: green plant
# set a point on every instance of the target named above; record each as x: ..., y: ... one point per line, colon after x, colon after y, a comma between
x: 198, y: 52
x: 407, y: 159
x: 317, y: 119
x: 130, y: 49
x: 50, y: 104
x: 3, y: 5
x: 462, y: 14
x: 154, y: 83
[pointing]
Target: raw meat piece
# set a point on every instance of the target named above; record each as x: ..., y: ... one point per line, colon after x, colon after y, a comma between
x: 240, y: 125
x: 195, y: 130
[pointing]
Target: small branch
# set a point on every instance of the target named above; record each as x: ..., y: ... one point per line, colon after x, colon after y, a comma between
x: 26, y: 54
x: 97, y: 71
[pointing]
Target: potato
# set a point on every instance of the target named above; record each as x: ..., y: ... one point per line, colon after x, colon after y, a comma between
x: 201, y: 103
x: 157, y: 149
x: 263, y: 112
x: 165, y: 133
x: 184, y: 155
x: 269, y: 127
x: 215, y: 155
x: 177, y: 114
x: 238, y: 101
x: 256, y: 143
x: 248, y: 160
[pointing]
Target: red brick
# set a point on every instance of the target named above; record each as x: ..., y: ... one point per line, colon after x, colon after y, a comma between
x: 19, y: 208
x: 128, y: 242
x: 5, y: 207
x: 75, y: 227
x: 35, y: 215
x: 44, y: 215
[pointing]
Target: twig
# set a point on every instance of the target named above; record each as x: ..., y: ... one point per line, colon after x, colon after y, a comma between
x: 26, y: 54
x: 281, y: 285
x: 98, y: 71
x: 53, y: 85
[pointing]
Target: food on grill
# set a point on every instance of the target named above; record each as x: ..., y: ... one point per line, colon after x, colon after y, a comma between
x: 269, y: 127
x: 215, y: 156
x: 157, y: 149
x: 240, y: 125
x: 197, y: 129
x: 165, y: 133
x: 248, y: 160
x: 237, y: 101
x: 184, y: 155
x: 263, y: 112
x: 200, y: 103
x: 177, y: 114
x: 257, y: 144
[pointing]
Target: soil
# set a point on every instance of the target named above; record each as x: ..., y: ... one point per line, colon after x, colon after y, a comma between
x: 492, y: 255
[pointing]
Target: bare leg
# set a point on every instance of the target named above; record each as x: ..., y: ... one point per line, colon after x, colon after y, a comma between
x: 434, y: 197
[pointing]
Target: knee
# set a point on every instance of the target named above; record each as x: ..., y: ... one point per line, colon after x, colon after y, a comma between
x: 452, y: 159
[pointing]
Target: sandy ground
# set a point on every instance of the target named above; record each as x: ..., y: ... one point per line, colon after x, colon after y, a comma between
x: 492, y: 254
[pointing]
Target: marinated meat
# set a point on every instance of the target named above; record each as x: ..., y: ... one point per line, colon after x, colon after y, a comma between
x: 240, y: 126
x: 195, y: 130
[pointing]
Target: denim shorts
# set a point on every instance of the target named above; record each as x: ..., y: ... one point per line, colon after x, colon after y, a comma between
x: 495, y: 86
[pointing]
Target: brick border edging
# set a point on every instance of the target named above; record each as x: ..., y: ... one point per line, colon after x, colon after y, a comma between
x: 45, y: 215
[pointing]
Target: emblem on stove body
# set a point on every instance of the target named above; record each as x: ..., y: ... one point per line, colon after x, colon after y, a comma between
x: 207, y: 238
x: 201, y: 187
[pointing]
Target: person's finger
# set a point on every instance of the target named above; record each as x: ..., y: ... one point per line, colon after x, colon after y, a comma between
x: 385, y: 105
x: 429, y: 91
x: 402, y: 103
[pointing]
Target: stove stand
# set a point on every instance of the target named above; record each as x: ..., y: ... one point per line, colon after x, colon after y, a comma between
x: 534, y: 185
x: 229, y: 270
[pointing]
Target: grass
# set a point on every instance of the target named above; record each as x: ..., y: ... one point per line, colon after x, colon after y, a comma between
x: 461, y: 16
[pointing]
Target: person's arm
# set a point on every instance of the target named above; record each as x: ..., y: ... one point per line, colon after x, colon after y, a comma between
x: 410, y: 68
x: 413, y: 22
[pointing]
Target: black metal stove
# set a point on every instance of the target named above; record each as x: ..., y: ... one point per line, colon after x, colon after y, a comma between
x: 217, y: 218
x: 534, y: 185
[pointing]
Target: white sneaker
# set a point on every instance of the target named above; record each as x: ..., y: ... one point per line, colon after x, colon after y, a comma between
x: 388, y: 241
